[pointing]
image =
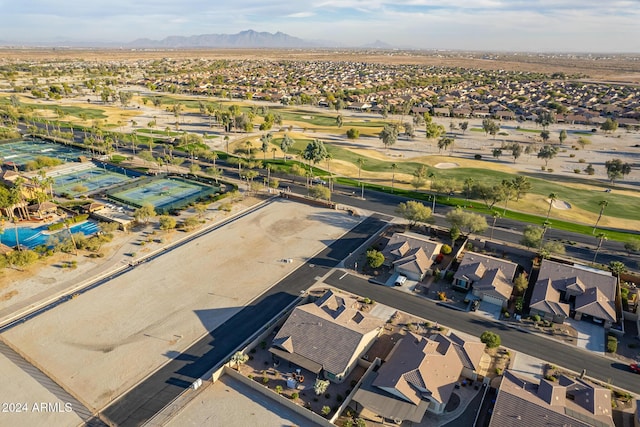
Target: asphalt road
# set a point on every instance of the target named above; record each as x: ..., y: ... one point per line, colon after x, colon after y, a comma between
x: 154, y: 393
x: 576, y: 359
x: 507, y: 230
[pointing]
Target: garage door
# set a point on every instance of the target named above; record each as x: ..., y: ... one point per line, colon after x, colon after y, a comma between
x: 492, y: 300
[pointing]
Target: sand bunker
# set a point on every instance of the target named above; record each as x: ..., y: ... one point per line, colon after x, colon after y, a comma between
x: 560, y: 204
x: 446, y: 165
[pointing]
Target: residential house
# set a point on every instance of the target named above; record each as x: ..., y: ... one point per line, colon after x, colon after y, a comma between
x: 411, y: 255
x: 563, y: 289
x: 420, y: 374
x: 567, y: 402
x: 489, y: 278
x: 327, y: 336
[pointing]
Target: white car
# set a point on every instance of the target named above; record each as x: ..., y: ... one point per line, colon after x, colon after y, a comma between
x: 400, y: 280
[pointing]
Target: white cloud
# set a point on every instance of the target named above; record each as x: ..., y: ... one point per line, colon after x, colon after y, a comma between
x: 301, y: 15
x: 461, y: 24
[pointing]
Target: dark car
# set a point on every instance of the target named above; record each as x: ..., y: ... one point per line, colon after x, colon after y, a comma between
x: 635, y: 368
x: 475, y: 304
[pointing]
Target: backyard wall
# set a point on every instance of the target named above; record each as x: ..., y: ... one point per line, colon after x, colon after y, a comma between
x: 280, y: 400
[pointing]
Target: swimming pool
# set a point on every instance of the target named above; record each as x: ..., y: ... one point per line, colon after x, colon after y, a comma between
x: 31, y: 237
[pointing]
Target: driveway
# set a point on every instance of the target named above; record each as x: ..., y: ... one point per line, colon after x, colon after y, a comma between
x: 590, y: 336
x: 526, y: 365
x: 486, y: 309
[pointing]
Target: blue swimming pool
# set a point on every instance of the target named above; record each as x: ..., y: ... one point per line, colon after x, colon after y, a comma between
x: 32, y: 237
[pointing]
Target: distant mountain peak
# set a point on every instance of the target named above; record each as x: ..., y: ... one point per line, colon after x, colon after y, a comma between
x: 378, y: 44
x: 244, y: 39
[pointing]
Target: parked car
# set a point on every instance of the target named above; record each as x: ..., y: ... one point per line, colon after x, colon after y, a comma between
x: 475, y: 304
x: 635, y: 368
x: 400, y: 280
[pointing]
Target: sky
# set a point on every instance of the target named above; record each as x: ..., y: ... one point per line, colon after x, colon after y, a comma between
x: 607, y: 26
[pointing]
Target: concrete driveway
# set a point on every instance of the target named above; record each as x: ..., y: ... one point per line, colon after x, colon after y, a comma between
x: 590, y: 336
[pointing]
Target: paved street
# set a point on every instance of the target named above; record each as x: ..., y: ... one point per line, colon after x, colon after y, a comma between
x: 576, y: 359
x: 506, y: 230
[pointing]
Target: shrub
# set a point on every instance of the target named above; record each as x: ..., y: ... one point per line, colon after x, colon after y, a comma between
x: 439, y: 258
x: 265, y: 380
x: 612, y: 344
x: 506, y: 315
x: 294, y: 395
x: 56, y: 226
x: 326, y: 410
x: 478, y: 157
x: 581, y: 160
x: 446, y: 249
x: 572, y: 155
x: 549, y: 170
x: 442, y: 296
x: 543, y: 168
x: 536, y: 317
x: 498, y: 371
x: 577, y: 170
x: 491, y: 339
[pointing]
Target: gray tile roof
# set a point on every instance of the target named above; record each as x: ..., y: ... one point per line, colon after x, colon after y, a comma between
x: 522, y: 402
x: 579, y: 281
x: 326, y: 332
x: 400, y: 244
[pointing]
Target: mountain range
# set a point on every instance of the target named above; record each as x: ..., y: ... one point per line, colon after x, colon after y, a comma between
x: 243, y: 39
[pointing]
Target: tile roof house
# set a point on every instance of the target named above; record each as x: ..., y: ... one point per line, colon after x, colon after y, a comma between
x: 420, y: 375
x: 411, y: 255
x: 568, y: 402
x: 328, y: 335
x: 563, y: 288
x: 490, y: 278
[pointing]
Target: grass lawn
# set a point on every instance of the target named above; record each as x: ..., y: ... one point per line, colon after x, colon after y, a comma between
x: 157, y: 132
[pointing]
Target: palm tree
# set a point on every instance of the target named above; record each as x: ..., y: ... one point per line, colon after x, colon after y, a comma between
x: 552, y: 198
x: 361, y: 161
x: 603, y: 204
x: 328, y: 158
x: 226, y: 141
x: 496, y: 215
x: 468, y: 183
x: 601, y: 237
x: 545, y: 226
x: 394, y: 166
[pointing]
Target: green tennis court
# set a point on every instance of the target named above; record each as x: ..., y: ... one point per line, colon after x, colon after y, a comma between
x: 164, y: 193
x: 89, y: 180
x: 22, y: 152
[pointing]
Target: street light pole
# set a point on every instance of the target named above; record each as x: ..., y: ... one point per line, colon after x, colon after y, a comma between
x: 362, y: 193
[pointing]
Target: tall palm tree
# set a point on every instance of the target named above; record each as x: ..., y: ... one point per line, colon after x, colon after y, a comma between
x: 468, y: 183
x: 601, y: 238
x: 361, y: 161
x: 545, y: 227
x: 394, y: 166
x: 328, y: 158
x: 552, y: 198
x: 603, y: 204
x: 496, y: 215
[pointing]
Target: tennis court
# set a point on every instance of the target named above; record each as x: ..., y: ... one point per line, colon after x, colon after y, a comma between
x: 22, y: 152
x: 90, y: 179
x: 163, y: 193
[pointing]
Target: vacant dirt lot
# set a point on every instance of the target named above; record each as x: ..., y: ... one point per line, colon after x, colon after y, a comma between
x: 103, y: 342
